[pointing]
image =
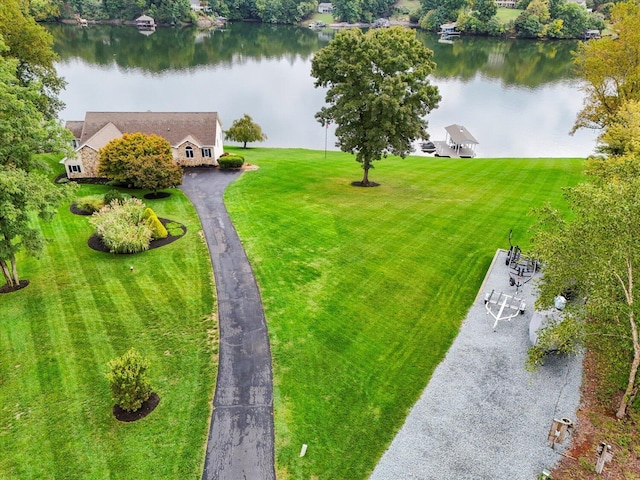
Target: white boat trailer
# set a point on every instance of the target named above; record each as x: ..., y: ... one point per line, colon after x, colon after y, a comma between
x: 507, y: 306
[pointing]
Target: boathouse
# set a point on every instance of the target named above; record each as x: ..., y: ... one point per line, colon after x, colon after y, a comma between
x: 459, y: 143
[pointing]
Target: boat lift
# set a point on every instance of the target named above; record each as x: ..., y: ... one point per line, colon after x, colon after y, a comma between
x: 504, y: 307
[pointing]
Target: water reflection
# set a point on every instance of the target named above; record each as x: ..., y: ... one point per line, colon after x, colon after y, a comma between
x: 518, y: 97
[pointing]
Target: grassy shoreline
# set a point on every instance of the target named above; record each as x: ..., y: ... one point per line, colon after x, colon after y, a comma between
x: 364, y: 289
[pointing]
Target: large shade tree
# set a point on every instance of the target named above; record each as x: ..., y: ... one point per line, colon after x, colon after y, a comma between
x: 594, y: 258
x: 24, y: 195
x: 32, y: 46
x: 611, y: 69
x: 24, y: 128
x: 377, y: 90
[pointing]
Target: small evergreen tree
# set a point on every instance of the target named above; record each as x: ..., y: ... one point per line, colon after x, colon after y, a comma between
x: 245, y: 130
x: 129, y: 380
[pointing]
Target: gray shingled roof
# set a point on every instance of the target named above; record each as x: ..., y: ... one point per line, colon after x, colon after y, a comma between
x: 75, y: 126
x: 174, y: 126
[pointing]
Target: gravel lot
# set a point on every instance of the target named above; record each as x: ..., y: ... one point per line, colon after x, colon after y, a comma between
x: 482, y: 415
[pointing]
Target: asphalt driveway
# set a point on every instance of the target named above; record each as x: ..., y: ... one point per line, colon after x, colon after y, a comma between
x: 241, y: 435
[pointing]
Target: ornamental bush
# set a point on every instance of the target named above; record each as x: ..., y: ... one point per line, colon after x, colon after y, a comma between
x: 122, y: 226
x: 90, y: 203
x: 129, y: 380
x: 153, y: 222
x: 231, y: 161
x: 112, y: 195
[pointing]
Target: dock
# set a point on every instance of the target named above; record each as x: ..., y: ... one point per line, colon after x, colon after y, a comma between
x: 459, y: 143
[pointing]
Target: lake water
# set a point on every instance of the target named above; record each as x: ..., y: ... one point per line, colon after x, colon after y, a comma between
x: 517, y: 97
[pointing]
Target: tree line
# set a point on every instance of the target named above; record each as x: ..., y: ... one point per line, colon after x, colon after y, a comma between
x: 538, y: 19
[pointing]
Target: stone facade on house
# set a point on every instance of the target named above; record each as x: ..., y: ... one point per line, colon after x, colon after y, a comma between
x: 195, y: 137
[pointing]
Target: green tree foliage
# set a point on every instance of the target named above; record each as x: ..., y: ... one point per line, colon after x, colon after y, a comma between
x: 245, y: 130
x: 129, y: 380
x: 163, y: 11
x: 596, y: 256
x: 622, y: 135
x: 438, y: 12
x: 123, y: 227
x: 121, y: 159
x: 22, y: 196
x: 113, y: 195
x: 31, y: 46
x: 378, y: 91
x: 555, y: 19
x: 45, y: 10
x: 484, y: 10
x: 24, y: 128
x: 611, y: 69
x: 154, y: 172
x: 361, y: 10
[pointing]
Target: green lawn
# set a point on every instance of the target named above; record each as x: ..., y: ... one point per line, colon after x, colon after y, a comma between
x: 365, y: 289
x: 83, y: 308
x: 505, y: 15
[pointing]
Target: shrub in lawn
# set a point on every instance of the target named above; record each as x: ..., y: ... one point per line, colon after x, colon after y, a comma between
x: 122, y: 226
x: 154, y: 223
x: 129, y: 380
x: 231, y: 161
x: 112, y: 195
x: 90, y: 203
x: 174, y: 229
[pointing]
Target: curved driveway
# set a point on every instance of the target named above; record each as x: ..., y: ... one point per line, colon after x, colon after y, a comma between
x: 240, y: 444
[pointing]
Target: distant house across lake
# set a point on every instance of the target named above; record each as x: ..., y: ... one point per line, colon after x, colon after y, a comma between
x: 325, y: 8
x: 195, y: 137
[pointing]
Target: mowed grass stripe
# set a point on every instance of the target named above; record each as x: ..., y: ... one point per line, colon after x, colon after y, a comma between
x: 81, y: 309
x: 365, y: 289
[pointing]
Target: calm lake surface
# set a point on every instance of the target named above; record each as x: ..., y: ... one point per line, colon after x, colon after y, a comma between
x: 517, y: 97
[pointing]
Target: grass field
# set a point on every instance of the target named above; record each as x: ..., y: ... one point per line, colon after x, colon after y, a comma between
x: 364, y: 289
x: 83, y: 308
x: 505, y: 15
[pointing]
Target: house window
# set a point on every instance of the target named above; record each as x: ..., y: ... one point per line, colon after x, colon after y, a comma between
x: 206, y: 152
x: 74, y: 168
x: 188, y: 151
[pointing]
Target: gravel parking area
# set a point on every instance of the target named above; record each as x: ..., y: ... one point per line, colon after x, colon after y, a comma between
x: 482, y: 415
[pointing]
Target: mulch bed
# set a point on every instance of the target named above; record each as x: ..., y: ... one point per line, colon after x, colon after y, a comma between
x: 78, y: 211
x: 592, y: 416
x: 360, y: 184
x: 8, y: 289
x: 147, y: 407
x: 95, y: 241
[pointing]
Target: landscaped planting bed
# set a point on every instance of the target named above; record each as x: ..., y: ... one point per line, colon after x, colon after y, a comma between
x: 83, y: 308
